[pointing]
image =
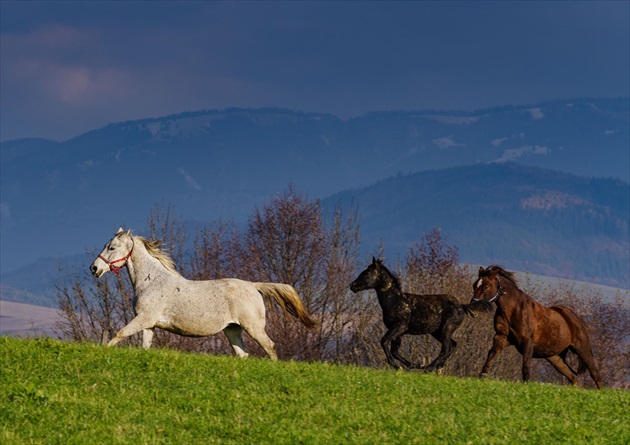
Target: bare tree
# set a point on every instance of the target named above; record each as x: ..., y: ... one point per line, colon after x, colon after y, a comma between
x: 215, y: 253
x: 91, y: 309
x: 163, y: 225
x: 289, y: 241
x: 431, y: 264
x: 336, y: 305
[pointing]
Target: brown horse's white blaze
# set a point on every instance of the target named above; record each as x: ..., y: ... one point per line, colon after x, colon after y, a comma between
x: 166, y: 300
x: 535, y: 330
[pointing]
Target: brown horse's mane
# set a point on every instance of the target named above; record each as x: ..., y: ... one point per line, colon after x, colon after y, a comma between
x: 498, y: 270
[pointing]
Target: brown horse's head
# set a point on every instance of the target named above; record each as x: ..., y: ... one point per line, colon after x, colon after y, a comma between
x: 488, y: 286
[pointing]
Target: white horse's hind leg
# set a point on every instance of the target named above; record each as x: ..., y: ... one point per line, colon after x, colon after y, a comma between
x: 234, y: 333
x: 264, y: 341
x: 147, y: 338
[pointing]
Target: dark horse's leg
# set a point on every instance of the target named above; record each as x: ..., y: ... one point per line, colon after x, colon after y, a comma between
x: 448, y: 347
x: 452, y: 319
x: 390, y: 340
x: 395, y: 346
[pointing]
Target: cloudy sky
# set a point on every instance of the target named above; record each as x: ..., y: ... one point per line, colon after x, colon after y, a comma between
x: 70, y: 67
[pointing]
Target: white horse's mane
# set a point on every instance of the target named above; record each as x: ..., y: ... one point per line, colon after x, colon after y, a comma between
x: 155, y: 250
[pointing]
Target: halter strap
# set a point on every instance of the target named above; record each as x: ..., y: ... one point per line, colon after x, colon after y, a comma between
x: 113, y: 268
x: 500, y: 292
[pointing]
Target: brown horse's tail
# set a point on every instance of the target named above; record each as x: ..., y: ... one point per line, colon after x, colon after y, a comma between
x: 582, y: 368
x: 288, y: 299
x: 575, y: 321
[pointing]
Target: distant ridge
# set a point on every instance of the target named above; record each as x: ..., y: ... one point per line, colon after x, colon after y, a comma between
x: 60, y: 197
x: 526, y: 218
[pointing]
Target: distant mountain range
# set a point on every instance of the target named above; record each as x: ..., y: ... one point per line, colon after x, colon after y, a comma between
x: 60, y: 197
x: 524, y: 218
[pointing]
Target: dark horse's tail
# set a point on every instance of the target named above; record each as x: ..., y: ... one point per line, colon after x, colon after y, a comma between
x: 473, y: 309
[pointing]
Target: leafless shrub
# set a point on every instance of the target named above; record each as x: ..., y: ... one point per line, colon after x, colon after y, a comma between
x: 290, y: 240
x: 91, y: 309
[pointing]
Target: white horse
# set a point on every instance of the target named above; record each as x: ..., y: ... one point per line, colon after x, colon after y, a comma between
x: 166, y: 300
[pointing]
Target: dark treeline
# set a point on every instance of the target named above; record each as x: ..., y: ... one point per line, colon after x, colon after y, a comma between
x: 290, y: 240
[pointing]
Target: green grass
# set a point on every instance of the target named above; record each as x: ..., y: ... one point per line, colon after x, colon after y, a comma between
x: 68, y: 393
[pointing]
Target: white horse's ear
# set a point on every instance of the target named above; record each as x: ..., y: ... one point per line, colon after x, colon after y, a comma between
x: 120, y: 230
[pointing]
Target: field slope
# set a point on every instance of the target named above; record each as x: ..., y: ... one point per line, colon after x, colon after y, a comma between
x: 57, y: 392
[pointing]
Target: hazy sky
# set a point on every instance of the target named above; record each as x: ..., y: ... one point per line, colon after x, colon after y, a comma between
x: 70, y: 67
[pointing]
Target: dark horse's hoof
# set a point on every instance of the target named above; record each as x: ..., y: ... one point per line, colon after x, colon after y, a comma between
x: 483, y: 375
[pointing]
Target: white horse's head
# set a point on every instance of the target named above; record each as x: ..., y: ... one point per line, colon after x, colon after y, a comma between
x: 115, y: 255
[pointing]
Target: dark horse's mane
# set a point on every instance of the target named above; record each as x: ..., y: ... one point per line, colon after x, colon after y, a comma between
x: 494, y: 269
x: 392, y: 275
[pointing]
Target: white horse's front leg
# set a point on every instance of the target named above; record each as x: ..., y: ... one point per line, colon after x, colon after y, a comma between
x: 136, y: 325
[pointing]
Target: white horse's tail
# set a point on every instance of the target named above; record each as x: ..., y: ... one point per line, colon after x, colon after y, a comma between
x: 287, y: 298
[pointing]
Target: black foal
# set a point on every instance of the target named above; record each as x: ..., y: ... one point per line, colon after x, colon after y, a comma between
x: 403, y: 313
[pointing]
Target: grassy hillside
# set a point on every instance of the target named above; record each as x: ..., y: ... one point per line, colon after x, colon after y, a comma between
x: 56, y: 392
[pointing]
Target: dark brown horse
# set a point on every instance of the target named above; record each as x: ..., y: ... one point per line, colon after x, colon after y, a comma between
x: 403, y: 313
x: 535, y: 330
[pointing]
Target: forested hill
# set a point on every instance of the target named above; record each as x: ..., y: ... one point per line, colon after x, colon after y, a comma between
x: 221, y: 163
x: 524, y: 218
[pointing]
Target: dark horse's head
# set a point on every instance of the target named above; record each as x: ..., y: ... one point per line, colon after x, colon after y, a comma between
x: 373, y: 276
x: 490, y: 284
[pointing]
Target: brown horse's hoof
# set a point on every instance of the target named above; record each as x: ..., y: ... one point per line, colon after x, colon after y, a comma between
x: 483, y: 375
x: 439, y: 371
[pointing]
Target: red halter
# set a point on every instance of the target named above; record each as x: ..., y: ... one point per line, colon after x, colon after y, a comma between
x: 113, y: 268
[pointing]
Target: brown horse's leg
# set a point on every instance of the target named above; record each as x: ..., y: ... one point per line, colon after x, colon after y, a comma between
x: 500, y: 341
x: 563, y: 356
x: 582, y: 345
x: 528, y: 353
x: 563, y: 368
x: 586, y: 356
